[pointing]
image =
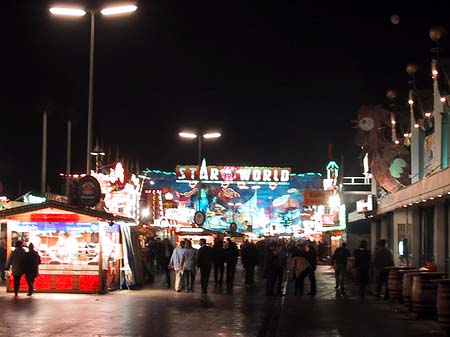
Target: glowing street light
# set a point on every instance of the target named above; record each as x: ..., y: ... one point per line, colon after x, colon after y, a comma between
x: 191, y: 135
x: 118, y: 10
x: 67, y: 11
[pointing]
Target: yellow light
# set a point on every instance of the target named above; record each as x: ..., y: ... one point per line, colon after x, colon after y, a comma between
x: 427, y: 114
x: 410, y: 102
x: 118, y: 10
x: 67, y: 11
x: 396, y: 141
x: 434, y: 72
x: 393, y: 122
x: 187, y: 135
x: 212, y: 135
x: 416, y: 126
x: 443, y: 99
x: 406, y: 135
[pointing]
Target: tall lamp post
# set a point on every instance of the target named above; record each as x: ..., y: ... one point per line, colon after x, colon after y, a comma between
x: 190, y: 135
x: 74, y: 12
x: 200, y: 137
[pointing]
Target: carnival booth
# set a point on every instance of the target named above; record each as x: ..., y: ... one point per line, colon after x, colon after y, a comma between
x: 82, y: 250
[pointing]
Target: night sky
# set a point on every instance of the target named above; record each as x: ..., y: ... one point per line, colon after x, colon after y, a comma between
x: 280, y: 79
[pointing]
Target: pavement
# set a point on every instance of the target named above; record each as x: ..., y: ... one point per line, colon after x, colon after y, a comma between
x: 158, y: 311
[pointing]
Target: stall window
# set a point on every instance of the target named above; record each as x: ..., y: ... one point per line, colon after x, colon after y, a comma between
x: 61, y: 243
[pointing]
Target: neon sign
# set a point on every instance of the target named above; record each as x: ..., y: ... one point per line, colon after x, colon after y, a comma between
x: 233, y: 174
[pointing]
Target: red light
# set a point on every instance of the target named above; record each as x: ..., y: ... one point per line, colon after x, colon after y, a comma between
x: 54, y: 217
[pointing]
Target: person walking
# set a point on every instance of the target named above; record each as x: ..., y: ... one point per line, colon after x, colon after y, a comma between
x: 189, y: 266
x: 18, y: 261
x: 312, y: 259
x: 382, y: 258
x: 275, y: 263
x: 249, y: 256
x: 2, y: 259
x: 321, y: 250
x: 299, y: 267
x: 219, y: 262
x: 205, y: 260
x: 32, y: 268
x: 176, y: 263
x: 339, y: 260
x: 164, y: 254
x: 231, y: 259
x: 362, y: 266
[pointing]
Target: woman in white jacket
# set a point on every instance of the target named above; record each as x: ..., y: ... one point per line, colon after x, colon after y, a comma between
x: 190, y: 266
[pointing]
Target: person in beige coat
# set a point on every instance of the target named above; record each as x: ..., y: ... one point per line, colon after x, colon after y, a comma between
x: 300, y: 268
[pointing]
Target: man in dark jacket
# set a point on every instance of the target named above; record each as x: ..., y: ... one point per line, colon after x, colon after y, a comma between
x: 231, y: 259
x: 32, y: 268
x: 312, y: 259
x: 339, y: 260
x: 205, y: 260
x: 249, y: 256
x: 362, y: 267
x: 18, y: 261
x: 382, y: 258
x: 218, y: 261
x: 163, y: 255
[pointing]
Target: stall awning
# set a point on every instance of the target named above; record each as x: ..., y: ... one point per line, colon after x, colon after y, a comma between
x: 7, y: 213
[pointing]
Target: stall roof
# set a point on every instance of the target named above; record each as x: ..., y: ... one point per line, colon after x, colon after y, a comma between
x: 65, y: 207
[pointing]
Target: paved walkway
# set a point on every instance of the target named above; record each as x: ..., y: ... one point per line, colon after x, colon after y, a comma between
x: 157, y: 311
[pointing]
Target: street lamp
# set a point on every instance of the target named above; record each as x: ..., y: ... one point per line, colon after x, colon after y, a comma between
x: 190, y: 135
x: 98, y: 153
x: 78, y: 12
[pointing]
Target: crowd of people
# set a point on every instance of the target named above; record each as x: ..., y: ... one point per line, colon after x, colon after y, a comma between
x: 276, y: 261
x: 280, y: 263
x: 366, y: 266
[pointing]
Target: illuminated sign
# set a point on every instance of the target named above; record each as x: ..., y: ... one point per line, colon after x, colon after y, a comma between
x: 24, y: 226
x: 88, y: 191
x: 328, y: 219
x: 316, y: 197
x: 33, y: 199
x: 54, y: 217
x: 232, y: 174
x: 365, y: 205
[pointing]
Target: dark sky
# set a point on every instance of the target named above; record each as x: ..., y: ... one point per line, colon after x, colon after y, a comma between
x: 280, y: 79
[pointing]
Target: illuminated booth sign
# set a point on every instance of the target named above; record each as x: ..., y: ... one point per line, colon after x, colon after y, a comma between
x: 365, y: 205
x: 232, y: 174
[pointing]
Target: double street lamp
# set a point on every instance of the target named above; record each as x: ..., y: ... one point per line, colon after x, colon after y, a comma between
x: 78, y: 12
x: 200, y: 137
x: 190, y: 135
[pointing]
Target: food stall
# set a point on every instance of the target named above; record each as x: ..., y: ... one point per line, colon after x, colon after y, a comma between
x: 82, y: 250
